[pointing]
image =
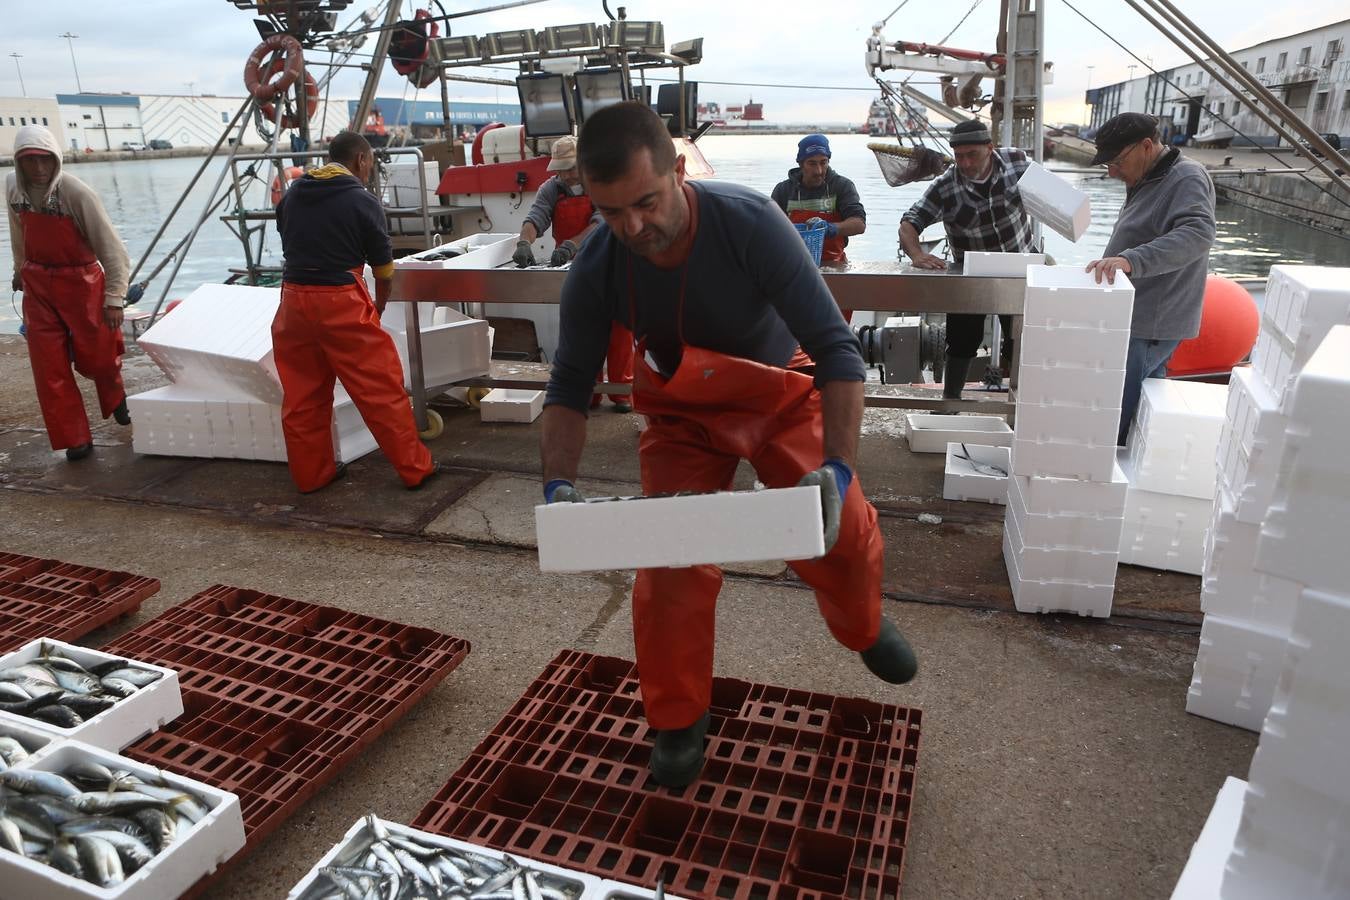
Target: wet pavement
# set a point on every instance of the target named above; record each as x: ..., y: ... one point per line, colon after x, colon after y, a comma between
x: 1057, y: 756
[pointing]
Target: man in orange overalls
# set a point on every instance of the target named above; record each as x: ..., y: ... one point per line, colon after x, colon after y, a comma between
x: 72, y: 269
x: 722, y: 297
x: 562, y: 201
x: 327, y: 326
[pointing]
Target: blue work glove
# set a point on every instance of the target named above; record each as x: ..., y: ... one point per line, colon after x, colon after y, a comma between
x: 833, y: 478
x: 563, y: 254
x: 523, y: 257
x: 831, y: 229
x: 560, y: 490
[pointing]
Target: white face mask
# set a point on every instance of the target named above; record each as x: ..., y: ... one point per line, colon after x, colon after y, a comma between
x: 576, y: 190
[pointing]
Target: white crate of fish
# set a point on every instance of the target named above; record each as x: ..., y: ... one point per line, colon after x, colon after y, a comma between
x: 19, y: 743
x: 86, y: 695
x: 118, y: 828
x: 617, y: 890
x: 382, y: 859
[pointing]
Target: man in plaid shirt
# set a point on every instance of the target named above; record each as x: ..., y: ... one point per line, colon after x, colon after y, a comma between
x: 979, y: 206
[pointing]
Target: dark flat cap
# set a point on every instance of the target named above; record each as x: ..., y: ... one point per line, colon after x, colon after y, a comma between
x: 1120, y: 132
x: 971, y: 131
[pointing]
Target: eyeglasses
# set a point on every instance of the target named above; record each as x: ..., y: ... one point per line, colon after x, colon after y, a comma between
x: 1115, y: 163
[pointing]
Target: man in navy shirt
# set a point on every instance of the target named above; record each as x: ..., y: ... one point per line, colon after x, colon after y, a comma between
x: 722, y: 298
x: 328, y: 327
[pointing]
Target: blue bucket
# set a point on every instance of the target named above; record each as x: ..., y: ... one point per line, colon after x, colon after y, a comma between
x: 814, y: 237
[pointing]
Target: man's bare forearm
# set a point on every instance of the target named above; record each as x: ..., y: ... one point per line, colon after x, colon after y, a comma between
x: 562, y: 437
x: 842, y: 408
x: 909, y: 241
x: 852, y: 226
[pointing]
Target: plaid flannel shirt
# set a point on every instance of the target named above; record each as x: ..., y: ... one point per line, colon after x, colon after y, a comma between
x: 975, y: 222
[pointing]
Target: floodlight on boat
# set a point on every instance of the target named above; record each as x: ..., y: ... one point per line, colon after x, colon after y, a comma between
x: 543, y: 105
x: 689, y: 51
x: 598, y: 88
x: 511, y: 43
x: 633, y: 35
x: 458, y: 49
x: 583, y: 36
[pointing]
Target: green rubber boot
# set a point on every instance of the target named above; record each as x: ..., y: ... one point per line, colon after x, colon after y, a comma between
x: 891, y: 658
x: 677, y: 757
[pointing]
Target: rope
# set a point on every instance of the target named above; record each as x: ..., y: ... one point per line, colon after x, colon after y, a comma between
x: 1221, y: 118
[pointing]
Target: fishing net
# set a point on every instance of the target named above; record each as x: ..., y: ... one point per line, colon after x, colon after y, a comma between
x: 902, y: 165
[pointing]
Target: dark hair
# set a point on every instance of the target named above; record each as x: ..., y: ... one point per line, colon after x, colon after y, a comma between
x: 346, y: 147
x: 612, y: 137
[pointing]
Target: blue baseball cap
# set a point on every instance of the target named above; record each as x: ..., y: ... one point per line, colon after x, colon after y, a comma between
x: 813, y: 145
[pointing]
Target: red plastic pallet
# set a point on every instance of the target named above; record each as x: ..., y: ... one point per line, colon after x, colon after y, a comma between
x: 50, y: 598
x: 278, y: 694
x: 804, y: 796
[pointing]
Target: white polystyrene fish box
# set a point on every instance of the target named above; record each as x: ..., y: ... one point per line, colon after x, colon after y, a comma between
x: 966, y: 477
x: 1065, y: 528
x: 1173, y: 446
x: 617, y: 890
x: 127, y: 720
x: 695, y: 529
x: 1058, y: 562
x: 1053, y: 496
x: 1054, y: 202
x: 1236, y: 670
x: 1070, y: 385
x: 1204, y: 870
x: 196, y: 852
x: 1000, y: 265
x: 351, y: 850
x: 1053, y: 595
x: 454, y: 346
x: 220, y: 334
x: 1251, y: 444
x: 511, y: 405
x: 1068, y: 297
x: 1073, y: 348
x: 931, y: 434
x: 34, y: 741
x: 1303, y: 303
x: 477, y: 251
x: 1065, y: 458
x: 1049, y: 422
x: 1231, y: 587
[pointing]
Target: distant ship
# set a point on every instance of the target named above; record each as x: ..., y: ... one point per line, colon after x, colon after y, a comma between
x: 880, y: 123
x: 732, y: 116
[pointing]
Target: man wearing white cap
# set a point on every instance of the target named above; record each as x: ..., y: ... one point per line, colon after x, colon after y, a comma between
x: 562, y: 202
x: 72, y: 269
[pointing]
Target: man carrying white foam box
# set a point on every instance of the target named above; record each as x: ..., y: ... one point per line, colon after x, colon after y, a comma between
x: 1161, y: 240
x: 722, y: 295
x: 980, y: 208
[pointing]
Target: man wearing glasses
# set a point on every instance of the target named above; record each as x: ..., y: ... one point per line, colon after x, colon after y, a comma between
x: 1161, y: 241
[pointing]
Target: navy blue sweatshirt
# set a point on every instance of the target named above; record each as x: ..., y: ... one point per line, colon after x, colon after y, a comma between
x: 330, y: 224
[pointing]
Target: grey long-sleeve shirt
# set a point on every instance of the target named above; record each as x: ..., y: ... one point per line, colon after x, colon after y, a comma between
x: 751, y: 290
x: 541, y: 210
x: 1165, y: 230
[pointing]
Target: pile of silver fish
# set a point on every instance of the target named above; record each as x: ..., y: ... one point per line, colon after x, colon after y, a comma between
x: 395, y: 867
x: 92, y: 822
x: 59, y: 691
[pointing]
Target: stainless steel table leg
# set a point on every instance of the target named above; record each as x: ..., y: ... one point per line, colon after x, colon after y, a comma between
x: 419, y: 390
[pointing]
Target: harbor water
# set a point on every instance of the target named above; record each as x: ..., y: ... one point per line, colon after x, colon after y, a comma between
x: 140, y: 193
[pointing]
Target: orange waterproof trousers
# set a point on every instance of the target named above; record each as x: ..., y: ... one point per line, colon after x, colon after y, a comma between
x: 323, y: 332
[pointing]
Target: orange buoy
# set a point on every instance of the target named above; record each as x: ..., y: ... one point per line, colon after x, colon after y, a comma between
x: 1229, y: 324
x: 279, y: 186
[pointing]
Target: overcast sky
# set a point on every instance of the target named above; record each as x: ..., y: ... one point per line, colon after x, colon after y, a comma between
x: 177, y: 46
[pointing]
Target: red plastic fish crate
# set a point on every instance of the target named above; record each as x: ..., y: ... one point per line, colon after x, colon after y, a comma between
x: 804, y: 796
x: 50, y: 598
x: 278, y: 694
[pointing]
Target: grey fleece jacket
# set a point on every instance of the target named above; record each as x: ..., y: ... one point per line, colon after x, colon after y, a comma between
x: 1165, y: 230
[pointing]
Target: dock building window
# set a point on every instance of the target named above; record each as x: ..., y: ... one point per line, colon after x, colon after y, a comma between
x: 1321, y: 103
x: 1304, y: 55
x: 1280, y: 61
x: 1237, y: 108
x: 1260, y: 64
x: 44, y: 120
x: 1345, y: 102
x: 23, y: 121
x: 224, y: 117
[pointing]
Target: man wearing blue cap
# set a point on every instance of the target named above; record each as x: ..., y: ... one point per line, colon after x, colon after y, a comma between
x: 814, y: 192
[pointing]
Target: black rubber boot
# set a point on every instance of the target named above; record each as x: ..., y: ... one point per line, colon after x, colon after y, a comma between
x: 435, y: 470
x: 121, y: 414
x: 954, y: 378
x: 80, y: 452
x: 677, y: 757
x: 891, y: 658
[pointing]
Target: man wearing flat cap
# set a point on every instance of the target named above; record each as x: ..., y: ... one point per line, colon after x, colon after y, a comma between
x: 1161, y: 241
x: 978, y: 204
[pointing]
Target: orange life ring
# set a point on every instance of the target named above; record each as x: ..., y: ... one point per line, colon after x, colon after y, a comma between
x: 279, y: 186
x: 291, y: 65
x: 311, y: 102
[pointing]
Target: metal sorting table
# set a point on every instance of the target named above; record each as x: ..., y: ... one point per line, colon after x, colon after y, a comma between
x: 889, y: 287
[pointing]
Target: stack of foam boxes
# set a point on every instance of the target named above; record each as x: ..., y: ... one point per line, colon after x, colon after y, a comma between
x: 1169, y: 462
x: 1248, y: 611
x: 1066, y: 495
x: 1288, y: 835
x: 225, y: 400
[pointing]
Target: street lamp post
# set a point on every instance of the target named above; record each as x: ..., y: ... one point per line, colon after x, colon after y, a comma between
x: 17, y: 57
x: 70, y: 39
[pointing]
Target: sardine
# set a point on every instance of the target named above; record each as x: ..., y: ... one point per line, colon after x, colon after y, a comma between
x: 118, y: 687
x: 139, y: 677
x: 31, y: 782
x: 11, y: 751
x: 88, y: 771
x: 28, y: 671
x: 64, y: 858
x: 12, y: 693
x: 11, y: 838
x: 99, y: 860
x: 131, y: 852
x: 159, y: 828
x: 56, y: 714
x: 80, y: 682
x: 121, y: 803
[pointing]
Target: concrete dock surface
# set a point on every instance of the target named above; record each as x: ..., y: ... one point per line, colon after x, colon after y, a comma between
x: 1056, y: 761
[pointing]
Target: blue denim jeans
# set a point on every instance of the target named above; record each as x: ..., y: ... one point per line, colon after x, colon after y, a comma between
x: 1146, y: 358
